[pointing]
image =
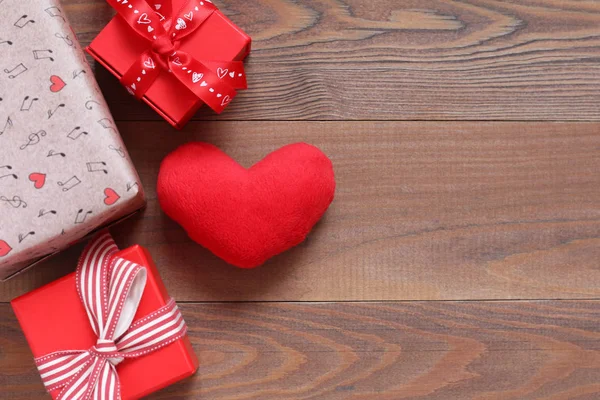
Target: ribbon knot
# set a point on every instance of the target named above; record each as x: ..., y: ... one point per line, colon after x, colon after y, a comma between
x: 110, y: 289
x: 107, y: 349
x: 212, y: 81
x: 163, y: 46
x: 104, y: 346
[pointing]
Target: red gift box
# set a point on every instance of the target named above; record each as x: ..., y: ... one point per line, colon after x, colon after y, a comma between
x: 54, y: 319
x: 117, y: 47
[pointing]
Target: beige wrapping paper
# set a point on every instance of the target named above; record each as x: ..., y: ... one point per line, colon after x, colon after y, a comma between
x: 64, y: 171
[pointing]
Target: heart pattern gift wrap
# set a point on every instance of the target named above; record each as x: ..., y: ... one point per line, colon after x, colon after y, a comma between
x: 64, y: 170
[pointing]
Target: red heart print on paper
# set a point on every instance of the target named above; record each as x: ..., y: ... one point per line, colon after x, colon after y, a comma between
x: 57, y: 84
x: 4, y: 248
x: 110, y: 197
x: 38, y: 179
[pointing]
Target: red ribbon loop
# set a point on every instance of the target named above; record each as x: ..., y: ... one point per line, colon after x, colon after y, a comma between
x: 214, y: 82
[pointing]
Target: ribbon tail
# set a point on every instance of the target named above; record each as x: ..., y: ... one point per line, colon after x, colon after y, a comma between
x: 142, y: 74
x: 154, y: 331
x: 57, y: 369
x: 79, y: 382
x: 99, y: 381
x: 202, y: 81
x: 232, y: 72
x: 108, y: 386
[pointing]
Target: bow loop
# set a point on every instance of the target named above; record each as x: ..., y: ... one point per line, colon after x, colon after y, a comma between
x: 91, y: 278
x: 110, y: 289
x: 127, y: 283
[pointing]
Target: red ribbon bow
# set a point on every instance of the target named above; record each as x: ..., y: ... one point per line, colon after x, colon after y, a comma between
x: 110, y: 289
x: 214, y: 82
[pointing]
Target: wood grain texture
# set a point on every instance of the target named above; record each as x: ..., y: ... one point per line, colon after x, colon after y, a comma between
x: 362, y: 351
x: 442, y: 211
x: 423, y: 210
x: 400, y: 60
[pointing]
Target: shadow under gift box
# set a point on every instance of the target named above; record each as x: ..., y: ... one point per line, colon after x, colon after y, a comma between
x: 117, y: 47
x: 53, y: 319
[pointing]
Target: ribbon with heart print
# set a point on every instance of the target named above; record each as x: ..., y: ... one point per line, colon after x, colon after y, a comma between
x: 214, y: 82
x: 110, y: 289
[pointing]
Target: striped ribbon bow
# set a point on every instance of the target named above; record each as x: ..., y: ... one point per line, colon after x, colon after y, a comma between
x: 212, y: 81
x: 110, y: 289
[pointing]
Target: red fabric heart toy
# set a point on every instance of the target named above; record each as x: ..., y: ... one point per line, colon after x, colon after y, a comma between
x: 246, y: 216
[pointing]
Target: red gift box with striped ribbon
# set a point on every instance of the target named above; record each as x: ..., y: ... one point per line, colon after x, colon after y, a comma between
x: 53, y: 319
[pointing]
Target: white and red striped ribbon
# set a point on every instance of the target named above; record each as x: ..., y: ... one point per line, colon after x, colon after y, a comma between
x: 110, y: 289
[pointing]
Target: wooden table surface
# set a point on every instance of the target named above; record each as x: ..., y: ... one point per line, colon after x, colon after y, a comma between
x: 461, y: 256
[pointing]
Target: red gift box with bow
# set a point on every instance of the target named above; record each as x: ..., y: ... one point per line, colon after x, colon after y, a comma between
x: 175, y: 55
x: 88, y: 340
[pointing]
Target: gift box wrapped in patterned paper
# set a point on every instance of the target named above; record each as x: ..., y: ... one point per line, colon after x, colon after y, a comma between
x: 64, y: 171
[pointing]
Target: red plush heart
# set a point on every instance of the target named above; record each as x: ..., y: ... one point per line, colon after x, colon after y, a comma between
x: 246, y: 216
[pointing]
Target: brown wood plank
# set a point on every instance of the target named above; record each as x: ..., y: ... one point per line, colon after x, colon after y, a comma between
x: 433, y: 350
x: 423, y: 211
x: 401, y: 60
